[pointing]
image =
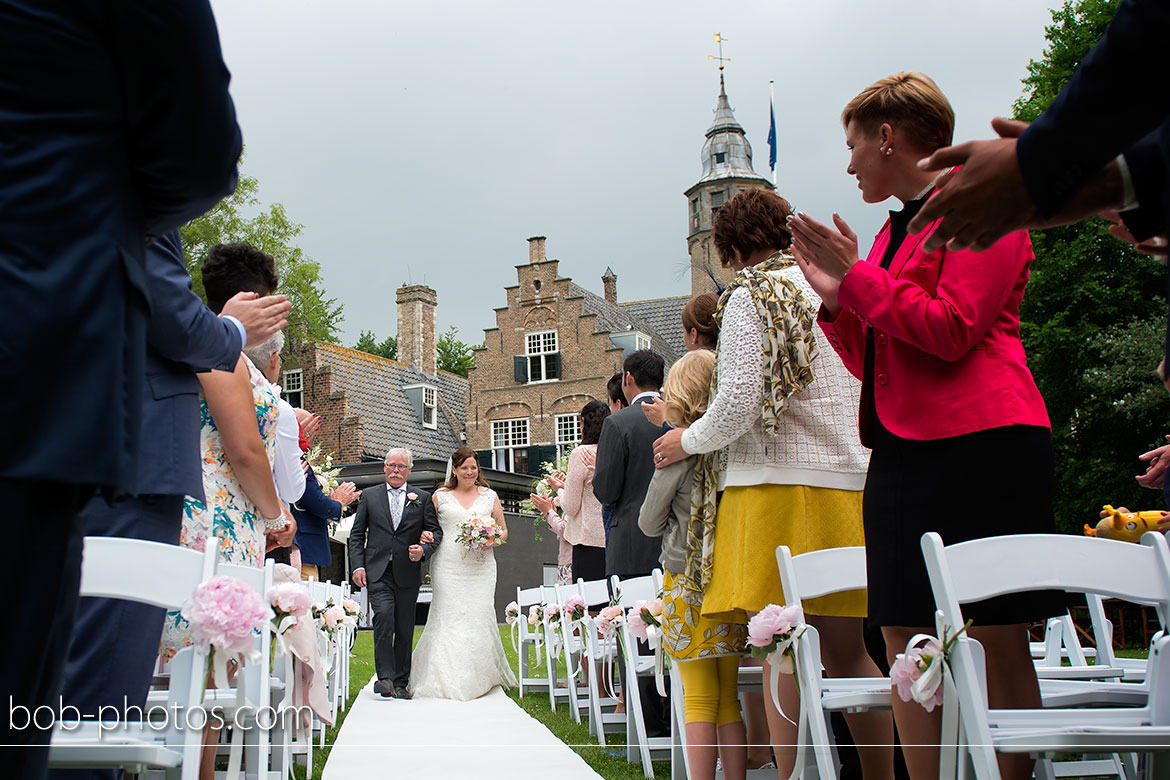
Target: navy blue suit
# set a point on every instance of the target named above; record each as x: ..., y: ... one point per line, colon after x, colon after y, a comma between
x: 116, y: 641
x: 313, y: 512
x: 115, y: 125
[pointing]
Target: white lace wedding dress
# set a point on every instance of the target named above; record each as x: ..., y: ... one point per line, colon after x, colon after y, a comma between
x: 459, y: 655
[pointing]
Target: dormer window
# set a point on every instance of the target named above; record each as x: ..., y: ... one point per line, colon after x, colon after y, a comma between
x: 293, y: 386
x: 642, y: 341
x: 430, y: 407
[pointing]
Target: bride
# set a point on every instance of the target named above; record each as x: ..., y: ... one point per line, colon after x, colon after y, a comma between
x: 459, y: 655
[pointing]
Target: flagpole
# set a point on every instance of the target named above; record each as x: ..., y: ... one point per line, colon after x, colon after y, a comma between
x: 772, y: 111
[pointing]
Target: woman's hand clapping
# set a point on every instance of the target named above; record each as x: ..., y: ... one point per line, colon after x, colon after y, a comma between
x: 824, y: 255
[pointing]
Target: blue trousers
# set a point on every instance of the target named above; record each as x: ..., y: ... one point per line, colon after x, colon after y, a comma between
x: 115, y: 642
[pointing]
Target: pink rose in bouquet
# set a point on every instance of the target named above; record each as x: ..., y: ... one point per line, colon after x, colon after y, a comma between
x: 535, y: 614
x: 479, y: 534
x: 226, y: 614
x: 917, y: 674
x: 351, y: 607
x: 290, y: 598
x: 773, y: 631
x: 643, y: 614
x: 552, y: 613
x: 333, y: 616
x: 511, y: 613
x: 606, y: 619
x: 636, y: 624
x: 575, y: 607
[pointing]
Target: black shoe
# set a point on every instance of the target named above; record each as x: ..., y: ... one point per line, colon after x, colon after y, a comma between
x: 384, y: 688
x: 400, y: 692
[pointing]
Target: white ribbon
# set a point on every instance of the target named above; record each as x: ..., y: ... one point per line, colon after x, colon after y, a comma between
x: 654, y: 640
x: 515, y: 631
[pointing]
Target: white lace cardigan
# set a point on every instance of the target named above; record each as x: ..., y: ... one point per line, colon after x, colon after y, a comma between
x: 817, y: 443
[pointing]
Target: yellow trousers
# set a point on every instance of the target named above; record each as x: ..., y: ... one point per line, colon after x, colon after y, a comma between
x: 710, y: 689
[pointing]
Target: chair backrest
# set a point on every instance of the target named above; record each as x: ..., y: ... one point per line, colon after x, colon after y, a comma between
x: 997, y: 565
x: 257, y: 681
x: 525, y: 598
x: 595, y: 592
x: 633, y: 589
x: 820, y: 572
x: 163, y: 575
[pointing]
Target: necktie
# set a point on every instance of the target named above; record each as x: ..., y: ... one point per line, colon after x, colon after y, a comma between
x: 396, y: 505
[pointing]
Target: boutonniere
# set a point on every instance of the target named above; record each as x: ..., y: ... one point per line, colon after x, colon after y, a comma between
x: 412, y: 499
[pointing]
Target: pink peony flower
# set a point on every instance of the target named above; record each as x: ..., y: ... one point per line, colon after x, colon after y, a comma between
x: 904, y: 671
x: 290, y: 598
x: 575, y: 606
x: 225, y: 613
x: 606, y: 618
x: 654, y: 607
x: 636, y: 624
x: 552, y: 612
x: 333, y: 616
x: 770, y: 621
x: 351, y: 607
x: 511, y: 613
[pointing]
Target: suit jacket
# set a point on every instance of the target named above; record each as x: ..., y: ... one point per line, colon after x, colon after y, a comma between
x: 117, y: 125
x: 947, y: 353
x: 374, y: 544
x: 184, y: 338
x: 1103, y: 110
x: 625, y: 464
x: 313, y: 512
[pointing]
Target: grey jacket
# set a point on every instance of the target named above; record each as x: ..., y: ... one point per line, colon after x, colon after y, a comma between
x: 667, y: 511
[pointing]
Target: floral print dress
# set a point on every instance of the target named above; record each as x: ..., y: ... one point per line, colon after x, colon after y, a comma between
x: 226, y: 513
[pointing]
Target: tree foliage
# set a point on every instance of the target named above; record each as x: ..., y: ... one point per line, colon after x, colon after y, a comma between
x: 368, y: 342
x: 1092, y: 321
x: 269, y: 230
x: 452, y: 354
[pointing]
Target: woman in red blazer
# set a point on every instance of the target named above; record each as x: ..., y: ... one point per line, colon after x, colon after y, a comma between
x: 960, y: 436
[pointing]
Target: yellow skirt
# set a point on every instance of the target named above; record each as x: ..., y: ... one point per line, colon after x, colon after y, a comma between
x: 754, y: 520
x: 688, y: 634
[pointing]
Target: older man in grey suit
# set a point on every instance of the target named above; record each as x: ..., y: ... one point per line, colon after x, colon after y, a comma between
x: 395, y: 530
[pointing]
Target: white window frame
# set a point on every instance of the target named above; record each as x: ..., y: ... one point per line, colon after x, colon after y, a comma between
x: 568, y: 428
x: 641, y: 341
x: 541, y: 356
x: 430, y: 408
x: 509, y: 436
x: 290, y: 388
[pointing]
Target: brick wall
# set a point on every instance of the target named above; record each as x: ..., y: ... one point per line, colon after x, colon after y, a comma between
x: 341, y: 430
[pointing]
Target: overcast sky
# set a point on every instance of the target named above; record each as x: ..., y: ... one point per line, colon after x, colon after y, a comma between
x: 424, y: 141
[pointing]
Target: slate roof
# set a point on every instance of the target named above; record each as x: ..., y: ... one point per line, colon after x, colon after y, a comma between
x: 615, y: 319
x: 373, y: 388
x: 664, y: 315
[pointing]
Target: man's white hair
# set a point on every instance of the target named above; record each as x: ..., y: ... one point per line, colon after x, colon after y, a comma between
x: 400, y: 451
x: 263, y: 352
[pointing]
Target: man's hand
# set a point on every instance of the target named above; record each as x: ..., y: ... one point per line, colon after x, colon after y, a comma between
x: 359, y: 577
x: 1154, y: 247
x: 309, y: 423
x: 426, y: 537
x: 345, y: 493
x: 982, y: 202
x: 589, y: 458
x: 668, y: 448
x: 415, y: 552
x: 655, y: 411
x: 261, y: 317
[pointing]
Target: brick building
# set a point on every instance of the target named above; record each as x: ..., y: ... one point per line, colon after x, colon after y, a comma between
x: 554, y: 346
x: 369, y: 403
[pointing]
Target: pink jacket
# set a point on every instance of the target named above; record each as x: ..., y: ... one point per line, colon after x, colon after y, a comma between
x: 947, y: 353
x: 583, y: 523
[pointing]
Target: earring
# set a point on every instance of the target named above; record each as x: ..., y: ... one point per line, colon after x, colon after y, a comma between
x: 889, y: 150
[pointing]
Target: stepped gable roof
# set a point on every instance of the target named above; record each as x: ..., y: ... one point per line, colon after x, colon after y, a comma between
x: 373, y: 387
x: 615, y: 319
x: 664, y: 315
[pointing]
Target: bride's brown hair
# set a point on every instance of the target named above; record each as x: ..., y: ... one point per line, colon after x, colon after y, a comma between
x: 457, y: 460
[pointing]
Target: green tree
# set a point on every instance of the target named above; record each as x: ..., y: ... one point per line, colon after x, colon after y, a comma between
x: 452, y: 354
x: 1092, y: 321
x: 269, y: 230
x: 368, y: 342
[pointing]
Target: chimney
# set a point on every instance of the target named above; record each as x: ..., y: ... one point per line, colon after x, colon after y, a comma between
x: 609, y: 282
x: 536, y: 249
x: 416, y: 326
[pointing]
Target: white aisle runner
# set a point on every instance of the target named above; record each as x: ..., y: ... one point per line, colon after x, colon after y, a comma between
x: 489, y: 738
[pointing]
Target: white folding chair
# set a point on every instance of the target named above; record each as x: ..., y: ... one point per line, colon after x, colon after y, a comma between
x: 983, y: 568
x: 529, y: 637
x: 637, y: 664
x: 601, y: 653
x: 572, y: 652
x: 1133, y: 669
x: 163, y: 575
x: 807, y: 576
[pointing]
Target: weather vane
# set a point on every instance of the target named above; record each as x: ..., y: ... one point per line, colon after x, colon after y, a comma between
x: 719, y: 39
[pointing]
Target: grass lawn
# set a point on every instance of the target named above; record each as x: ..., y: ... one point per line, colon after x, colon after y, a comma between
x: 560, y: 723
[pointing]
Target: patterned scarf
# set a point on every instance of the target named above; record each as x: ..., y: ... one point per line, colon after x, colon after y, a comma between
x: 789, y: 347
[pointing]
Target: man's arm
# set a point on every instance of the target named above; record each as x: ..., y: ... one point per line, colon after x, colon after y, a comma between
x: 357, y: 541
x: 610, y: 474
x: 181, y: 327
x: 184, y: 140
x: 286, y: 468
x: 431, y: 523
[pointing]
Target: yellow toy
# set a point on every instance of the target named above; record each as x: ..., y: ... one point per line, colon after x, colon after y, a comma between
x: 1125, y: 526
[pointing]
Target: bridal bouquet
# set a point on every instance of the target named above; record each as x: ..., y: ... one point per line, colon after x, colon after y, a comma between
x: 479, y: 534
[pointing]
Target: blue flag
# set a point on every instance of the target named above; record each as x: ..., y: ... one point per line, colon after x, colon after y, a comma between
x: 772, y: 138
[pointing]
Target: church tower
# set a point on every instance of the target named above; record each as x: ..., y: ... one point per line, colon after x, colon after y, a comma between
x: 727, y: 169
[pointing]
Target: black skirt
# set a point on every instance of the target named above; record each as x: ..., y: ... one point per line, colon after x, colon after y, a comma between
x: 989, y: 483
x: 588, y: 563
